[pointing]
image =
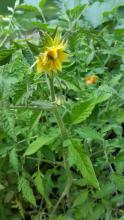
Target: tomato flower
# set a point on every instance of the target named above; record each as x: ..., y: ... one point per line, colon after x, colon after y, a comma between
x: 90, y: 79
x: 53, y: 56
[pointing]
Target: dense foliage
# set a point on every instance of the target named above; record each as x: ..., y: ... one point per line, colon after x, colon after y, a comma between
x: 45, y: 173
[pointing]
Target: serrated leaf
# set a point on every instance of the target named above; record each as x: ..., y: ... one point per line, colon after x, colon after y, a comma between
x: 13, y: 157
x: 26, y: 190
x: 88, y: 132
x: 39, y: 183
x: 40, y: 186
x: 80, y: 112
x: 78, y: 157
x: 40, y: 142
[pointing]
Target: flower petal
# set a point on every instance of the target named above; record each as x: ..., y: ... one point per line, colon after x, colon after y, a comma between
x: 39, y: 64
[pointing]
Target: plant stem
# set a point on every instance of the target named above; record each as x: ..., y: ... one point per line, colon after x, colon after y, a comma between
x: 30, y: 107
x: 57, y: 115
x: 64, y: 193
x: 64, y: 136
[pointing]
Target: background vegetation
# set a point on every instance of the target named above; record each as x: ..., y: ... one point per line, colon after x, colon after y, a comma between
x: 43, y: 175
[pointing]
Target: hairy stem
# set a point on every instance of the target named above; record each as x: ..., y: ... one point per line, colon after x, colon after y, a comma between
x: 64, y: 136
x: 56, y: 112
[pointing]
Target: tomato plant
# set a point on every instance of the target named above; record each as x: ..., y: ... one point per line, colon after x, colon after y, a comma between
x: 61, y: 127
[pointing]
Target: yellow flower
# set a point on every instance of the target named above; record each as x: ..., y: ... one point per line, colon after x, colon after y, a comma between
x: 90, y: 79
x: 53, y: 56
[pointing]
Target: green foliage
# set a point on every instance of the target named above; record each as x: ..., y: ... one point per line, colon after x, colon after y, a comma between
x: 40, y: 142
x: 27, y: 192
x: 78, y: 157
x: 62, y: 159
x: 38, y: 181
x: 14, y: 160
x: 80, y: 112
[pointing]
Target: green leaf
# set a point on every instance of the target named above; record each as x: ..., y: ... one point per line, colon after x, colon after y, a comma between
x: 39, y: 183
x: 40, y: 25
x: 88, y: 132
x: 4, y: 149
x: 80, y: 199
x: 103, y: 93
x: 26, y: 190
x: 115, y: 80
x: 42, y: 3
x: 40, y: 142
x: 28, y: 8
x: 78, y: 157
x: 67, y: 78
x: 13, y: 157
x: 2, y: 187
x: 28, y: 55
x: 80, y: 112
x: 106, y: 190
x: 33, y: 47
x: 76, y: 12
x: 8, y: 123
x: 4, y: 53
x: 40, y: 186
x: 120, y: 115
x: 120, y: 157
x: 119, y: 181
